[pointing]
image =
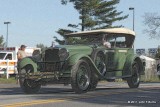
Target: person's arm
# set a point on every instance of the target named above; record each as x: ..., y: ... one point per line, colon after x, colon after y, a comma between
x: 19, y: 56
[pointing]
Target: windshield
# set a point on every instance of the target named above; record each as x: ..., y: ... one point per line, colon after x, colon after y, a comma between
x: 84, y: 39
x: 2, y: 55
x: 120, y: 40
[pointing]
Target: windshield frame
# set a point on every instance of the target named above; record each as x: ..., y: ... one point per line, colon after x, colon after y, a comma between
x: 129, y: 40
x: 87, y: 39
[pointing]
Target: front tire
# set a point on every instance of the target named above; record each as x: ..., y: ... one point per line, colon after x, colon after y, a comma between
x: 134, y: 80
x: 80, y: 79
x: 28, y: 86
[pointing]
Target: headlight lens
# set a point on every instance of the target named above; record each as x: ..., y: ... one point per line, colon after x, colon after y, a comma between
x: 63, y: 54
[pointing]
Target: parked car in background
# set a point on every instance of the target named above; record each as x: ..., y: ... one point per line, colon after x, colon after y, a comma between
x: 83, y: 61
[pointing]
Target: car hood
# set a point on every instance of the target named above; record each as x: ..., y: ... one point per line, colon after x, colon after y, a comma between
x: 81, y: 49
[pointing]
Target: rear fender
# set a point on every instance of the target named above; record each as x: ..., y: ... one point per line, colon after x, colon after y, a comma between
x: 141, y: 65
x: 127, y: 70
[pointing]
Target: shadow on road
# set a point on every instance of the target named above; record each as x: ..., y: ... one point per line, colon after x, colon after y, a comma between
x: 10, y: 91
x: 143, y: 97
x: 111, y: 96
x: 45, y: 90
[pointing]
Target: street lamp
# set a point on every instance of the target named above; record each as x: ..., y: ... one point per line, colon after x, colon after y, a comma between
x: 132, y: 8
x: 7, y: 33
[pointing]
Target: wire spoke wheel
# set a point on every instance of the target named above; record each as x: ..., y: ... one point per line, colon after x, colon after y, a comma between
x: 27, y: 85
x: 134, y: 80
x: 80, y: 80
x: 135, y: 77
x: 100, y: 62
x: 158, y: 72
x: 83, y: 77
x: 31, y: 83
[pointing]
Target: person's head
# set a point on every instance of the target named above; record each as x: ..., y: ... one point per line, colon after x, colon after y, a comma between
x: 23, y: 47
x: 104, y: 39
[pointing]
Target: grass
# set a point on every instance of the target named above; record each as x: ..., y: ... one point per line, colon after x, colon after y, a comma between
x: 143, y: 79
x: 4, y: 80
x: 152, y: 79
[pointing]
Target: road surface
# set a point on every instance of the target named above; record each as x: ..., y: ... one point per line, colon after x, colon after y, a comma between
x: 112, y: 94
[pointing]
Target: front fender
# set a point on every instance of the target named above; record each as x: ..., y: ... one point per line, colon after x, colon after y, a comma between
x: 72, y: 60
x: 27, y: 61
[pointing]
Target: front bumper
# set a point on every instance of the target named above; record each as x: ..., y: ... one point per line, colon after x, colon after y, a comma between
x: 47, y: 71
x: 45, y: 78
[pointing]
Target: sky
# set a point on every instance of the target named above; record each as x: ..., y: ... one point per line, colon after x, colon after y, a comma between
x: 36, y: 21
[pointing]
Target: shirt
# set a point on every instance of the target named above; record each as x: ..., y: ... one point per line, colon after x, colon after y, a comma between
x: 107, y: 44
x: 21, y: 54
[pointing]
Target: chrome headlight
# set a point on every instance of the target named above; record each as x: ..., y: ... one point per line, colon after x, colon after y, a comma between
x: 63, y: 54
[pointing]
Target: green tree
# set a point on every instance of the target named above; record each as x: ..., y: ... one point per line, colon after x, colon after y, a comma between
x: 42, y: 47
x: 94, y: 14
x: 62, y: 32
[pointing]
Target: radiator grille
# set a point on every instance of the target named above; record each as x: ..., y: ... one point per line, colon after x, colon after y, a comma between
x: 52, y: 55
x: 51, y: 61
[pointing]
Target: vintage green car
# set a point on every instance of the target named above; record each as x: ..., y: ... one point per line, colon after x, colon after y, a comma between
x: 83, y: 61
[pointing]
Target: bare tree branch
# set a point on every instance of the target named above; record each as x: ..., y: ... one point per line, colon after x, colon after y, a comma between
x: 152, y: 23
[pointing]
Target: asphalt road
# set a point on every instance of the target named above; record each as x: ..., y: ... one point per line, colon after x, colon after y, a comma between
x: 107, y: 94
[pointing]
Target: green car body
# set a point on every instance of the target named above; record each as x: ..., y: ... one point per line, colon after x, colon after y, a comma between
x: 83, y: 61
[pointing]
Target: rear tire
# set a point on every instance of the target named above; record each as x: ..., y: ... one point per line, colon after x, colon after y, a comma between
x: 134, y: 80
x: 94, y: 81
x: 28, y: 86
x: 158, y: 72
x: 80, y: 79
x: 99, y: 60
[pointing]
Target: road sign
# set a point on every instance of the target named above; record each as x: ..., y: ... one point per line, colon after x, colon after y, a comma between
x: 152, y: 50
x: 140, y: 51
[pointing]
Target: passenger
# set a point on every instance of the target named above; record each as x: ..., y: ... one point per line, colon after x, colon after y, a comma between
x: 21, y: 53
x: 106, y: 44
